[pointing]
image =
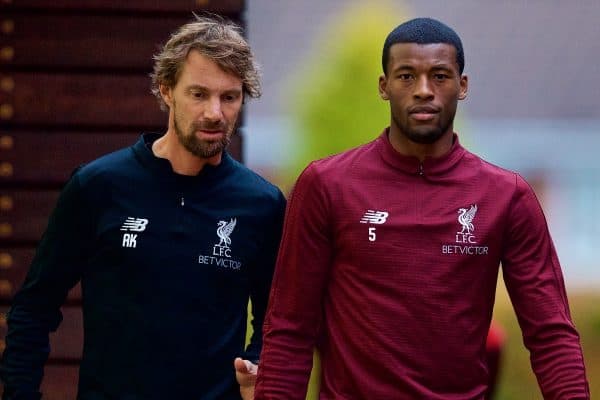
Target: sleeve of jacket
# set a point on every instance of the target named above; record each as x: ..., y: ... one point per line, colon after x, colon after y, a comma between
x: 534, y: 281
x: 35, y: 309
x: 261, y: 280
x: 295, y: 305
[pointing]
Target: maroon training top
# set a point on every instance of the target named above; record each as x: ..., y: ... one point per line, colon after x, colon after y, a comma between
x: 389, y: 267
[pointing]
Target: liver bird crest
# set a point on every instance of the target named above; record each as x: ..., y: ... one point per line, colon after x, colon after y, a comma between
x: 465, y: 218
x: 224, y: 230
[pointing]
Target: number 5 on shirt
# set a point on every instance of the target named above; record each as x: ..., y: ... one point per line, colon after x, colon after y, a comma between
x: 372, y: 234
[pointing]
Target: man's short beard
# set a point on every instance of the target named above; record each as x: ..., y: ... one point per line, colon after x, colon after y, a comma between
x: 429, y: 137
x: 201, y: 148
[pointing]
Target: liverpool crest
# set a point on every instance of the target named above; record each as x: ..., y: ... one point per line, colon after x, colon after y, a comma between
x: 224, y: 230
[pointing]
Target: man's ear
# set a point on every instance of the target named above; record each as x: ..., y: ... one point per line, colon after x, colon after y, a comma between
x: 383, y: 87
x: 166, y: 93
x: 464, y: 87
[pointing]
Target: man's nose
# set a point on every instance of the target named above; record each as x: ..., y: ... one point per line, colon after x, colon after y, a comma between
x: 213, y: 110
x: 423, y: 89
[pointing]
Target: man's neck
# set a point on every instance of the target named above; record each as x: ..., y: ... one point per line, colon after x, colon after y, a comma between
x: 182, y: 161
x: 407, y: 147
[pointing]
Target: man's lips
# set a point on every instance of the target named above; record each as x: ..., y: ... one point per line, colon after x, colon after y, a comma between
x: 423, y: 113
x: 210, y: 132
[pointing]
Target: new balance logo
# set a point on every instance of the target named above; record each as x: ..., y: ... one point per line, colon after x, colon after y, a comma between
x: 132, y: 225
x: 374, y: 217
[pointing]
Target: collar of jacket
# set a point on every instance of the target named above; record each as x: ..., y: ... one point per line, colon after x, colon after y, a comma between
x: 162, y: 167
x: 429, y: 167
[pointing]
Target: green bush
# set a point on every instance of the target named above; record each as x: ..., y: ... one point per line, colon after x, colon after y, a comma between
x: 335, y: 104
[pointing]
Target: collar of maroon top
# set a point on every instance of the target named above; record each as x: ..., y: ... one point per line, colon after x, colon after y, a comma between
x: 429, y: 167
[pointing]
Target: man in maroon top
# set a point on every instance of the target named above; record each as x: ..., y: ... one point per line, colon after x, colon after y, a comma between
x: 391, y: 251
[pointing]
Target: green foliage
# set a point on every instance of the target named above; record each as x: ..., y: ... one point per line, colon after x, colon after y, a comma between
x: 335, y: 100
x: 595, y: 322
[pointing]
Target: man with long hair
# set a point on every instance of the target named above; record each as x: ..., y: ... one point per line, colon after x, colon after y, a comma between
x: 170, y: 238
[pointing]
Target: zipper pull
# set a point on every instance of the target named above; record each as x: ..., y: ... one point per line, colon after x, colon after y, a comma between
x: 182, y: 201
x: 421, y: 172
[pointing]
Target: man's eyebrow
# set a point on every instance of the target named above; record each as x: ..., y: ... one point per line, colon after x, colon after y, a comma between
x: 443, y: 66
x: 206, y: 89
x: 403, y: 66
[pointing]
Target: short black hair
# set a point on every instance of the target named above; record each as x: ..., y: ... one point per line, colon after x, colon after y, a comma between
x: 423, y: 31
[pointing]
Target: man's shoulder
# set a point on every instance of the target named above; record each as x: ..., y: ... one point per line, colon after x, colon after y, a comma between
x: 115, y: 161
x: 108, y: 169
x: 491, y: 169
x: 340, y: 163
x: 502, y: 178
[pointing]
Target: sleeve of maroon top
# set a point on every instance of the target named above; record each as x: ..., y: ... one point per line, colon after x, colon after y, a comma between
x: 534, y: 281
x: 295, y: 303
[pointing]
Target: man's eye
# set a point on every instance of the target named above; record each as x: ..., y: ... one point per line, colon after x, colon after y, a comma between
x: 405, y: 77
x: 440, y: 77
x: 198, y: 95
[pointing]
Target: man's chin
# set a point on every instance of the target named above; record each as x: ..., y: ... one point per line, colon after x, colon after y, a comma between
x: 205, y: 149
x: 425, y: 137
x: 210, y: 150
x: 208, y: 153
